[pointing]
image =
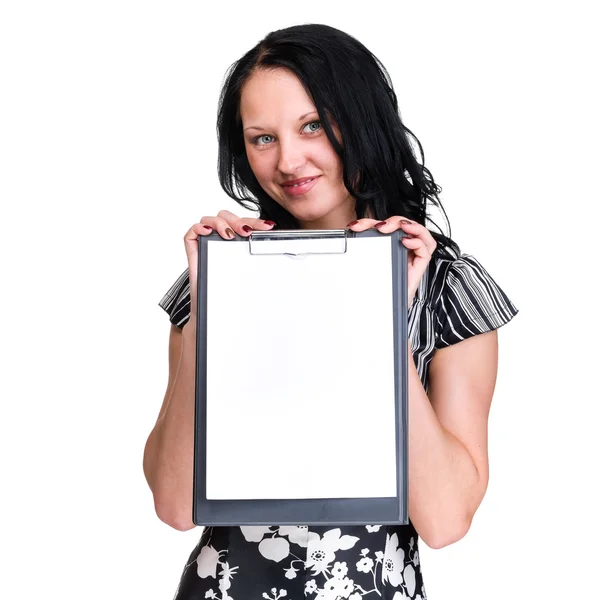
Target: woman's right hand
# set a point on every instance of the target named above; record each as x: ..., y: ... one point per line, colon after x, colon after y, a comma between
x: 225, y: 224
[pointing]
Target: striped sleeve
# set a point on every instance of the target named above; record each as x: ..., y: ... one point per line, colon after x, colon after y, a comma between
x: 469, y: 302
x: 176, y: 302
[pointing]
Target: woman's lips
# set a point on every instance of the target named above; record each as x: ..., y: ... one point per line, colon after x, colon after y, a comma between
x: 298, y: 190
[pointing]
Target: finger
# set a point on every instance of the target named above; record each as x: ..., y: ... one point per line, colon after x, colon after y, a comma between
x: 420, y: 231
x: 190, y: 240
x: 362, y: 224
x: 418, y: 246
x: 260, y: 224
x: 230, y: 217
x: 197, y: 229
x: 391, y: 224
x: 234, y: 223
x: 220, y: 225
x: 245, y: 225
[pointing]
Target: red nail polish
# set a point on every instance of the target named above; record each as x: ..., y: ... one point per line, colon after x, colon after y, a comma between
x: 269, y: 222
x: 207, y: 227
x: 380, y: 224
x: 247, y: 228
x: 352, y: 223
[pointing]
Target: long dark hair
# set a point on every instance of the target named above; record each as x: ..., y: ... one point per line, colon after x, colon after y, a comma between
x: 348, y: 83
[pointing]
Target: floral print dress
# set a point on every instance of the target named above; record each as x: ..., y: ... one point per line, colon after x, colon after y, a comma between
x: 304, y: 562
x: 457, y: 298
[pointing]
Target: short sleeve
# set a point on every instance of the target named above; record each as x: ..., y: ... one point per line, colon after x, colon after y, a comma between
x: 469, y: 302
x: 176, y: 302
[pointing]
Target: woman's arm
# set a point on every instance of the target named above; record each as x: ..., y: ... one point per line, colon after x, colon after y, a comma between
x: 448, y: 453
x: 169, y: 451
x: 448, y: 464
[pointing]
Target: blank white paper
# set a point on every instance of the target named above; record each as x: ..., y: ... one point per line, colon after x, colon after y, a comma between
x: 300, y: 374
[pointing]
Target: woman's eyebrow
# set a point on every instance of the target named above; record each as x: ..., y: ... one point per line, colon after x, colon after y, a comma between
x: 299, y: 119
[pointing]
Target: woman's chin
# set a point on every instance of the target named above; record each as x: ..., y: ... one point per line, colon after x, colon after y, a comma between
x: 308, y: 216
x: 311, y: 210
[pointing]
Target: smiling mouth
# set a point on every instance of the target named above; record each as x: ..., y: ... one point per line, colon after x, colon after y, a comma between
x: 294, y: 185
x: 301, y: 188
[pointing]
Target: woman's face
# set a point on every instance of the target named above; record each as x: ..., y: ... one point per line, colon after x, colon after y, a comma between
x: 286, y: 142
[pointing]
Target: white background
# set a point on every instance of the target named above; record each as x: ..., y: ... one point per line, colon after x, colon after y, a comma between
x: 107, y: 157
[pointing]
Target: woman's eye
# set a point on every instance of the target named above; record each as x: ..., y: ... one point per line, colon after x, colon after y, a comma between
x: 311, y: 126
x: 265, y: 139
x: 258, y: 138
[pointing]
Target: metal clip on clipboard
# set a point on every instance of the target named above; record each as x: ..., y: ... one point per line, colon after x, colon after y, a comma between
x: 299, y: 244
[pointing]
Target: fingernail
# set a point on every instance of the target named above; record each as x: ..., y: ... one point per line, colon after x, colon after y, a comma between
x: 208, y: 227
x: 406, y: 222
x: 380, y: 224
x: 269, y: 222
x: 230, y: 233
x: 247, y: 228
x: 352, y: 223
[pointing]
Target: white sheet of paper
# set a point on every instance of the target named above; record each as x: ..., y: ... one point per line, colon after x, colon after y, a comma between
x: 300, y: 374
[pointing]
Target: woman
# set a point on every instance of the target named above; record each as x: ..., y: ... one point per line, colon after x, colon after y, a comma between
x: 310, y: 136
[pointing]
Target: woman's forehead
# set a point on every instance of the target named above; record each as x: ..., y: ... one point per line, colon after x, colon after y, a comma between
x: 274, y: 92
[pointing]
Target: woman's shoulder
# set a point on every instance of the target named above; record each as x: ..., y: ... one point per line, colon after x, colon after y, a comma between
x: 176, y: 301
x: 433, y: 278
x: 443, y: 266
x: 464, y: 298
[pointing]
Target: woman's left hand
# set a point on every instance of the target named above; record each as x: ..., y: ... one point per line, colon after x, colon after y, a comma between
x: 420, y: 245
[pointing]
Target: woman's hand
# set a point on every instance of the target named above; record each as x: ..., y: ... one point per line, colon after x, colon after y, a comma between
x: 420, y: 245
x: 226, y: 224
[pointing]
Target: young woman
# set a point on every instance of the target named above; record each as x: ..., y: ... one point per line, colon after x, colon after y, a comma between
x: 310, y: 136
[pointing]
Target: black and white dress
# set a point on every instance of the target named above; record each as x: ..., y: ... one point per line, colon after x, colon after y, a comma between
x: 456, y: 299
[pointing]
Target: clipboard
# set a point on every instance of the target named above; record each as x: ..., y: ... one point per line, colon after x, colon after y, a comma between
x: 301, y: 392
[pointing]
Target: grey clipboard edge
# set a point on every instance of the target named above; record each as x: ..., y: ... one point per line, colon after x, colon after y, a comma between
x: 199, y: 484
x: 399, y: 254
x: 393, y: 510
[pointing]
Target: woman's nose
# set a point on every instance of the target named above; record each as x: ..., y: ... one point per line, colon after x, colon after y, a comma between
x: 291, y: 158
